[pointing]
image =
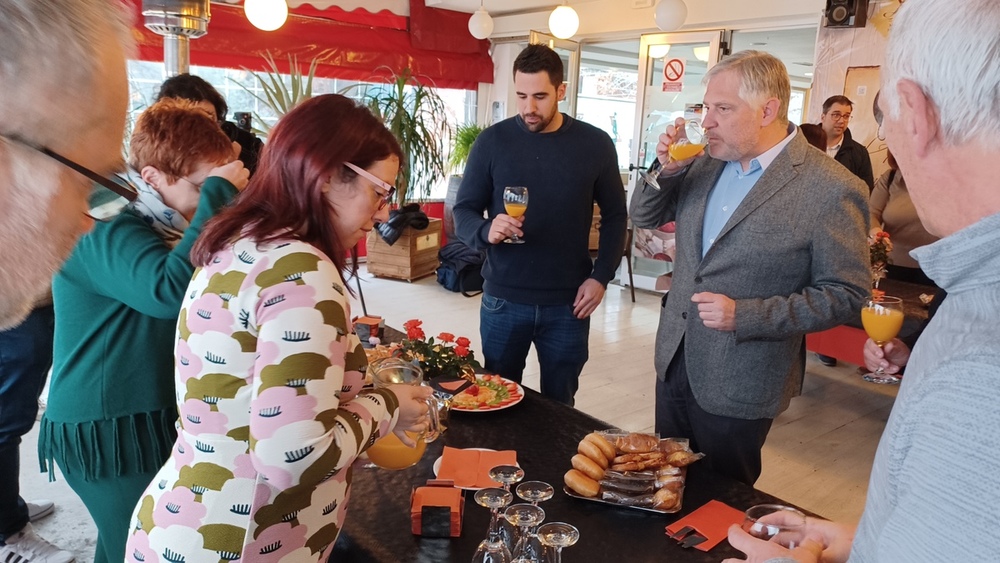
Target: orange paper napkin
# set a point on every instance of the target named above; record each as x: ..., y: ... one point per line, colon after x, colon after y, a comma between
x: 712, y: 521
x: 436, y: 496
x: 470, y: 468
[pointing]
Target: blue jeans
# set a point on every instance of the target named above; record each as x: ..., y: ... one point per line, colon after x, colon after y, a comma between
x: 508, y: 330
x: 25, y: 359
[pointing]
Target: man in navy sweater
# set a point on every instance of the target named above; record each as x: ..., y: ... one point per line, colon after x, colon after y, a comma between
x: 542, y: 291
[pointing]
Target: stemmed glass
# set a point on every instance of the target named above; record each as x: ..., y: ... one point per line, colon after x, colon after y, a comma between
x: 515, y: 203
x: 493, y: 549
x: 681, y: 149
x: 558, y: 535
x: 783, y: 524
x: 534, y: 492
x: 882, y: 318
x: 525, y: 516
x: 507, y: 475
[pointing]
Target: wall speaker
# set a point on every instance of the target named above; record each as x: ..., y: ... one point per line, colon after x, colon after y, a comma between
x: 845, y: 13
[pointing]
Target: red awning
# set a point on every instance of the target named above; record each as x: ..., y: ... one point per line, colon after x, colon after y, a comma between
x: 344, y: 50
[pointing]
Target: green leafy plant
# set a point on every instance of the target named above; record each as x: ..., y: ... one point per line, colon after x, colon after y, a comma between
x: 280, y: 96
x: 417, y: 116
x: 465, y: 136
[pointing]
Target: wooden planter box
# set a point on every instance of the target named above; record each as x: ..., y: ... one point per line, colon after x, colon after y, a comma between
x: 414, y: 255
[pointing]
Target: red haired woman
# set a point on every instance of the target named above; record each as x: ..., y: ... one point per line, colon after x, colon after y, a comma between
x: 268, y: 370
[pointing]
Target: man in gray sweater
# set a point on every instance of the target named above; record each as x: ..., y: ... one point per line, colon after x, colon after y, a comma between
x: 933, y: 493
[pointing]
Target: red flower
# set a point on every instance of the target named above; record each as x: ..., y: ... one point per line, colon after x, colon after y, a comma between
x: 415, y: 333
x: 446, y: 337
x: 412, y: 323
x: 461, y: 351
x: 463, y: 342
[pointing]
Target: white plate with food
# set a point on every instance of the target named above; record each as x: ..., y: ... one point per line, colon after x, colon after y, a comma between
x: 490, y: 393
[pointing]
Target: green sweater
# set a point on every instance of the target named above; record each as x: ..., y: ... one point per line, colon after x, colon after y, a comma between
x: 117, y: 299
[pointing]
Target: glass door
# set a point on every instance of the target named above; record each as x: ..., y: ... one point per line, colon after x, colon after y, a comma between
x: 671, y: 69
x: 569, y: 52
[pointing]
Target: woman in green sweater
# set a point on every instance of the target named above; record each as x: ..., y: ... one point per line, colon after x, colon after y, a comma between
x: 109, y: 424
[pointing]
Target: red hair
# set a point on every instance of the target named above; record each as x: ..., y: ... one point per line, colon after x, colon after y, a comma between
x: 174, y: 136
x: 284, y: 198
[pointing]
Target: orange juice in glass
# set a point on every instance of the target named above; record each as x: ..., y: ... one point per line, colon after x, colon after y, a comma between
x: 882, y: 318
x: 389, y: 452
x: 678, y: 151
x: 515, y: 203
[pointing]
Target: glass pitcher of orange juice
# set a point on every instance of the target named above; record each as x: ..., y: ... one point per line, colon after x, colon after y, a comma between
x: 389, y: 452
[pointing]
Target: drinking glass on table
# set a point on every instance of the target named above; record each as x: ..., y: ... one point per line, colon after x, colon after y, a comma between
x: 557, y: 535
x: 683, y: 148
x: 535, y: 492
x: 515, y: 203
x: 882, y: 318
x: 389, y: 452
x: 775, y: 522
x: 493, y: 549
x: 507, y: 475
x: 525, y: 517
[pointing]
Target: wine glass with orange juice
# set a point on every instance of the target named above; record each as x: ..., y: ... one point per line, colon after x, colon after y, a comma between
x: 882, y: 318
x: 515, y: 203
x: 688, y: 146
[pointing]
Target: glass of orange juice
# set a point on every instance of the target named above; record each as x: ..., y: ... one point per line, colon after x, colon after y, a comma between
x: 389, y: 452
x: 515, y: 203
x: 688, y: 146
x: 882, y: 318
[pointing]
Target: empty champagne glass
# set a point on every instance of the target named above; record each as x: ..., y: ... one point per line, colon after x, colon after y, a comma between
x: 775, y: 522
x: 882, y: 318
x: 525, y: 517
x: 681, y: 149
x: 507, y: 475
x: 558, y: 535
x: 515, y: 203
x: 535, y: 491
x: 493, y: 549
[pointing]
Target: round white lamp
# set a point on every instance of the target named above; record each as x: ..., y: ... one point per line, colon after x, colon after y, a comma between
x: 267, y: 15
x: 658, y: 51
x: 563, y: 22
x: 670, y: 14
x: 481, y: 24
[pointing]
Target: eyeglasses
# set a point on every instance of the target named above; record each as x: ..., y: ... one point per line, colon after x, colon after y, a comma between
x: 837, y: 116
x: 107, y: 198
x: 390, y: 190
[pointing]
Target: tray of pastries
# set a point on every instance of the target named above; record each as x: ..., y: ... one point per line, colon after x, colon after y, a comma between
x: 629, y: 469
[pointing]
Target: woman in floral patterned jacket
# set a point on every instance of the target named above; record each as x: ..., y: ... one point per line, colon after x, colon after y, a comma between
x: 268, y: 370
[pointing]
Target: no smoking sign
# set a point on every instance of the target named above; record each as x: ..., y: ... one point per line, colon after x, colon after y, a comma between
x: 673, y: 75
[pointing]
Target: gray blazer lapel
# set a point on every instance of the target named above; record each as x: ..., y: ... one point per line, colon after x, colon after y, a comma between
x: 778, y: 174
x: 693, y: 204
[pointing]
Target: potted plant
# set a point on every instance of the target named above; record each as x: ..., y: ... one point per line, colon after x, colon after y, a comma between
x: 465, y: 136
x: 280, y: 97
x: 416, y: 115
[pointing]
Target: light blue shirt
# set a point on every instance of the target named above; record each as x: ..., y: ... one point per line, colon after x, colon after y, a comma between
x: 732, y: 188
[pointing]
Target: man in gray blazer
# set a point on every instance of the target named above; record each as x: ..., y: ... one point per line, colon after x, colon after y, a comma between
x: 771, y: 245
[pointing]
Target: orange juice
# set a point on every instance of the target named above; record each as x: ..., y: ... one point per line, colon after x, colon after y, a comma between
x: 685, y: 151
x: 881, y: 324
x: 391, y: 453
x: 515, y: 210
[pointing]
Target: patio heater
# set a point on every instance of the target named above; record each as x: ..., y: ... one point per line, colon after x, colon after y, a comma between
x: 178, y: 21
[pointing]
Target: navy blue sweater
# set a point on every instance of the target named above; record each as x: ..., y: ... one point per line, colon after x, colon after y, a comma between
x: 566, y: 172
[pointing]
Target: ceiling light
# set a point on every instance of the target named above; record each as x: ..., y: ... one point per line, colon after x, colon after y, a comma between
x: 481, y: 24
x: 658, y: 51
x: 563, y: 22
x: 670, y: 14
x: 701, y: 53
x: 267, y: 15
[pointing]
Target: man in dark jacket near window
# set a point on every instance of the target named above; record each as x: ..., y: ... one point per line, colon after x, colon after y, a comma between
x: 839, y: 143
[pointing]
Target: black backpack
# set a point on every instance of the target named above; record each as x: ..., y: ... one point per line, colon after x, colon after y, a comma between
x: 461, y: 268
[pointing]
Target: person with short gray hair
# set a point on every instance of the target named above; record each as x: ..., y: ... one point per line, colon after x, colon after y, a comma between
x: 933, y: 495
x: 763, y: 257
x: 63, y: 96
